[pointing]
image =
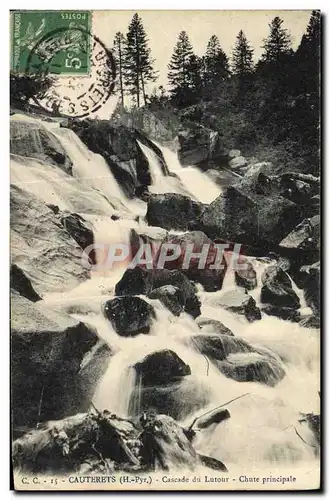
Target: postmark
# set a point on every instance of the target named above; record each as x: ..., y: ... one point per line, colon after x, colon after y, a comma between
x: 69, y: 50
x: 79, y: 95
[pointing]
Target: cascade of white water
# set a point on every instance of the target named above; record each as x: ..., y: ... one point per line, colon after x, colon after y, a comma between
x: 198, y: 183
x: 261, y: 427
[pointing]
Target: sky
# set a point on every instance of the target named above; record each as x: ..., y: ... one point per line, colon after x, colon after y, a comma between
x: 162, y: 28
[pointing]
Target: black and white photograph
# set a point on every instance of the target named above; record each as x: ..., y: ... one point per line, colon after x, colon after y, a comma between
x: 165, y: 184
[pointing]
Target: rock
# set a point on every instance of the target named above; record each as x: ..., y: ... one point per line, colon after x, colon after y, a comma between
x: 234, y: 153
x: 196, y: 242
x: 142, y: 281
x: 171, y: 297
x: 81, y: 231
x: 298, y: 190
x: 129, y: 316
x: 136, y: 281
x: 252, y: 367
x: 238, y: 162
x: 161, y: 368
x: 305, y: 237
x: 215, y: 417
x: 165, y: 444
x: 47, y: 350
x: 310, y: 321
x: 41, y: 248
x: 219, y: 347
x: 198, y: 145
x: 208, y: 325
x: 244, y: 214
x: 118, y: 145
x: 21, y: 283
x: 63, y: 446
x: 173, y: 211
x: 246, y: 278
x: 240, y: 302
x: 277, y: 289
x: 286, y: 313
x: 29, y: 137
x: 312, y: 288
x: 212, y: 463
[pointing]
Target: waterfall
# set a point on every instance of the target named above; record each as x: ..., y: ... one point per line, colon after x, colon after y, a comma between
x: 198, y: 183
x: 261, y: 428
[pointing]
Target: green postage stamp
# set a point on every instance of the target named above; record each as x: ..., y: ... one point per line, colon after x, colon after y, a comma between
x: 58, y: 42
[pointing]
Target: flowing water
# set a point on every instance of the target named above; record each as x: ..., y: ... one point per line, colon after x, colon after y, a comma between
x: 262, y: 424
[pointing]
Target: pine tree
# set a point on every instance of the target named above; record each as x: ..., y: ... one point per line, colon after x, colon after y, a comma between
x: 216, y: 67
x: 242, y: 56
x: 179, y: 68
x: 278, y: 43
x: 137, y: 60
x: 119, y: 49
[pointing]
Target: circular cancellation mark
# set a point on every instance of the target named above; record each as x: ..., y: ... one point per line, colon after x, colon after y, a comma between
x: 73, y: 95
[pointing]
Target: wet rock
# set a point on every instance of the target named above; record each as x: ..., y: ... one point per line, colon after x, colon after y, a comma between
x: 234, y: 153
x: 137, y: 281
x: 41, y: 247
x: 165, y: 445
x: 129, y: 316
x: 21, y: 283
x: 252, y: 367
x: 212, y: 463
x: 246, y: 278
x: 286, y: 313
x: 32, y: 139
x: 219, y: 347
x: 103, y: 440
x: 171, y: 296
x: 48, y: 348
x: 81, y: 231
x: 240, y: 302
x: 245, y: 214
x: 54, y: 208
x: 215, y: 417
x: 208, y: 325
x: 277, y: 289
x: 196, y: 242
x: 161, y: 368
x: 142, y: 281
x: 173, y: 211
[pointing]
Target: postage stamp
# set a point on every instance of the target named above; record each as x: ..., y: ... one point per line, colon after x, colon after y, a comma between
x: 66, y: 52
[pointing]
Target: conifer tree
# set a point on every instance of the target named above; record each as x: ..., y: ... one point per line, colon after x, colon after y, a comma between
x: 138, y: 63
x: 216, y: 67
x: 278, y: 43
x: 179, y: 75
x: 119, y: 49
x: 242, y: 56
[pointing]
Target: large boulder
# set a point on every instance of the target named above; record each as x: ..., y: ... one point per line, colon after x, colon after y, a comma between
x: 219, y: 347
x: 252, y: 367
x: 304, y: 238
x: 80, y: 230
x: 196, y: 242
x: 129, y: 316
x: 173, y: 211
x: 312, y: 287
x: 240, y: 302
x: 171, y: 297
x: 118, y: 145
x: 41, y: 247
x: 47, y: 351
x: 198, y: 145
x: 161, y: 368
x: 139, y: 281
x: 251, y: 212
x: 277, y: 289
x: 30, y: 137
